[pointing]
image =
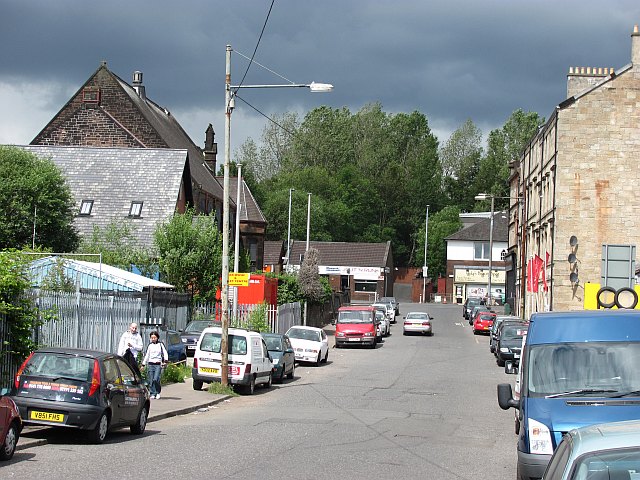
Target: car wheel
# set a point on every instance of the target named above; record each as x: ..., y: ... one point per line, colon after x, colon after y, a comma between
x: 475, y: 332
x: 249, y: 389
x: 10, y: 443
x: 500, y: 362
x: 141, y: 422
x: 326, y: 356
x: 293, y: 369
x: 99, y: 433
x: 319, y: 359
x: 197, y: 384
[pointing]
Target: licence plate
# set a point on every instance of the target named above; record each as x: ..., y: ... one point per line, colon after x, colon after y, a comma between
x: 354, y: 339
x: 46, y: 416
x: 208, y: 370
x: 191, y: 347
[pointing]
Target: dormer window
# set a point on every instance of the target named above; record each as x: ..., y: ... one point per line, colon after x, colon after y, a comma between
x: 136, y: 209
x: 85, y: 207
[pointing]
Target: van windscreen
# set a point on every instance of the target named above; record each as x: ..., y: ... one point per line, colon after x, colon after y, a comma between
x: 355, y: 316
x: 597, y: 368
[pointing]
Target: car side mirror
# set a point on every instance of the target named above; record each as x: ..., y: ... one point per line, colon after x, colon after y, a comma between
x: 4, y: 391
x: 510, y: 368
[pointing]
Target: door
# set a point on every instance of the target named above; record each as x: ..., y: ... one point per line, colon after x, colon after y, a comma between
x: 133, y: 393
x: 115, y: 390
x: 289, y: 357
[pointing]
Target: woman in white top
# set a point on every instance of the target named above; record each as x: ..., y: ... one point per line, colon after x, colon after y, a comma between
x: 155, y: 358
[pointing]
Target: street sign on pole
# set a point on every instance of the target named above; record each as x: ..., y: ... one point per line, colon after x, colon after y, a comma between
x: 238, y: 279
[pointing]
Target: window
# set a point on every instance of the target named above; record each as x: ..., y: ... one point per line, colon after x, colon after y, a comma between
x: 91, y: 95
x: 136, y: 209
x: 85, y: 207
x: 366, y: 286
x: 481, y: 251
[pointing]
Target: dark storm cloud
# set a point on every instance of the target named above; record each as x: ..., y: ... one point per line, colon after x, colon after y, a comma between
x: 451, y: 60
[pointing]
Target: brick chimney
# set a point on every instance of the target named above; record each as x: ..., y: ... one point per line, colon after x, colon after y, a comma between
x: 635, y: 46
x: 137, y: 84
x: 580, y: 79
x: 210, y: 148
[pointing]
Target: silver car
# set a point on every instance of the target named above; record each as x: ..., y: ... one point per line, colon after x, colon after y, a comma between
x: 607, y: 451
x: 417, y: 322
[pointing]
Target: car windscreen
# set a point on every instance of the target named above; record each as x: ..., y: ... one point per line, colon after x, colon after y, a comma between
x: 354, y: 316
x: 583, y: 367
x: 513, y: 331
x: 609, y: 463
x: 304, y: 334
x: 236, y: 344
x: 197, y: 327
x: 274, y: 344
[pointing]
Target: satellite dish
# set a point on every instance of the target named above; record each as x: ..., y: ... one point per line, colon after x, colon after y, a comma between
x: 573, y: 278
x: 573, y: 241
x: 572, y: 258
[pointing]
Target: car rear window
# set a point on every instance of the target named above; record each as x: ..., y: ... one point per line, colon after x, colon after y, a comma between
x: 274, y: 344
x: 60, y: 365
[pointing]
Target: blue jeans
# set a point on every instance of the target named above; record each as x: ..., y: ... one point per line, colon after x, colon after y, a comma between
x: 153, y: 377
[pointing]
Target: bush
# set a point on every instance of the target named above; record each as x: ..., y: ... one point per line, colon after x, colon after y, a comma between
x: 172, y: 373
x: 219, y: 389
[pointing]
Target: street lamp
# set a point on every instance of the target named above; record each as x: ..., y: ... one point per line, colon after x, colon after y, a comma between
x: 484, y: 196
x: 228, y: 107
x: 289, y: 230
x: 424, y: 269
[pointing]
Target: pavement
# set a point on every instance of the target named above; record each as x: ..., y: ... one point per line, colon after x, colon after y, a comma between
x: 176, y: 399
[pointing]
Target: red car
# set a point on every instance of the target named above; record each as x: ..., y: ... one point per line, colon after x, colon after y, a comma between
x: 10, y: 427
x: 483, y: 322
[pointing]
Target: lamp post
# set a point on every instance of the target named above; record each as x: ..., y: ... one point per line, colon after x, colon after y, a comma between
x: 289, y: 230
x: 228, y: 107
x: 236, y: 250
x: 424, y: 268
x: 484, y: 196
x: 307, y: 248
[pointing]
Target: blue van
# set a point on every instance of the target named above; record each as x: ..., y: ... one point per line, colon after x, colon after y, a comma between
x: 577, y: 369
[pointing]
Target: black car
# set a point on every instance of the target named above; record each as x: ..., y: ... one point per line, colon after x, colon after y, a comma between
x: 494, y: 332
x: 509, y: 345
x: 81, y: 389
x: 191, y: 334
x: 469, y: 304
x: 282, y: 355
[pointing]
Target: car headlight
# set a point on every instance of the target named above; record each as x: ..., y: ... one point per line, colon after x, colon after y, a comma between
x: 339, y: 334
x: 368, y: 334
x: 504, y: 350
x: 539, y: 438
x: 275, y: 361
x: 184, y: 340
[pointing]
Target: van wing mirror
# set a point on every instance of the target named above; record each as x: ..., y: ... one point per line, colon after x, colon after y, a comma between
x: 505, y: 397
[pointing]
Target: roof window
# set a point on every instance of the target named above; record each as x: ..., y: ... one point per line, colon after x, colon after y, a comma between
x: 136, y: 209
x: 85, y: 207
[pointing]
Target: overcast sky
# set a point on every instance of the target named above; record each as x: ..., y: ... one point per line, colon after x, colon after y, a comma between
x: 449, y: 59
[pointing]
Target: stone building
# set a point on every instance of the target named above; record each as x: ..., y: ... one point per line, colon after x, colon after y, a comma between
x: 575, y: 198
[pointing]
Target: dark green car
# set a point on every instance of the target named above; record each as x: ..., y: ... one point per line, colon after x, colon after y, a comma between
x: 282, y: 356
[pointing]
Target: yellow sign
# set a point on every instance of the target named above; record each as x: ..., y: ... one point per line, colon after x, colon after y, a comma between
x: 591, y: 296
x: 238, y: 279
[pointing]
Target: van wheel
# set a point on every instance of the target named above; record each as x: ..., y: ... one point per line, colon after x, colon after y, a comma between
x: 249, y: 389
x: 197, y: 384
x: 293, y: 369
x: 270, y: 382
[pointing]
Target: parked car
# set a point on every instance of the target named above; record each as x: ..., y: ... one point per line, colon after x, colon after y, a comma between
x: 493, y: 333
x: 474, y: 312
x: 282, y: 355
x: 417, y: 322
x: 509, y: 345
x: 384, y: 325
x: 191, y: 334
x: 10, y: 426
x: 393, y: 301
x: 482, y: 322
x: 356, y: 325
x: 248, y: 358
x: 81, y: 389
x: 310, y: 344
x: 176, y: 348
x: 467, y: 306
x: 389, y: 310
x: 597, y: 452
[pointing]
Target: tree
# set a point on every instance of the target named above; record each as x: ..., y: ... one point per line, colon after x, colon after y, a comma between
x: 34, y: 191
x: 309, y: 279
x: 190, y: 253
x: 119, y: 247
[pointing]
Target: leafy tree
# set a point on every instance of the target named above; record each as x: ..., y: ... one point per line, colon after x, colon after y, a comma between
x: 56, y: 279
x: 20, y: 315
x: 309, y: 278
x: 190, y: 253
x: 119, y: 247
x: 34, y: 191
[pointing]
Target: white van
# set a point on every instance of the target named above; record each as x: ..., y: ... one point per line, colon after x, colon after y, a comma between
x: 248, y: 358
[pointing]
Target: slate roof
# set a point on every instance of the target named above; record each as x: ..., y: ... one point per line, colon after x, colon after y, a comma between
x: 344, y: 254
x: 274, y: 250
x: 480, y: 231
x: 250, y: 210
x: 172, y: 133
x: 114, y: 177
